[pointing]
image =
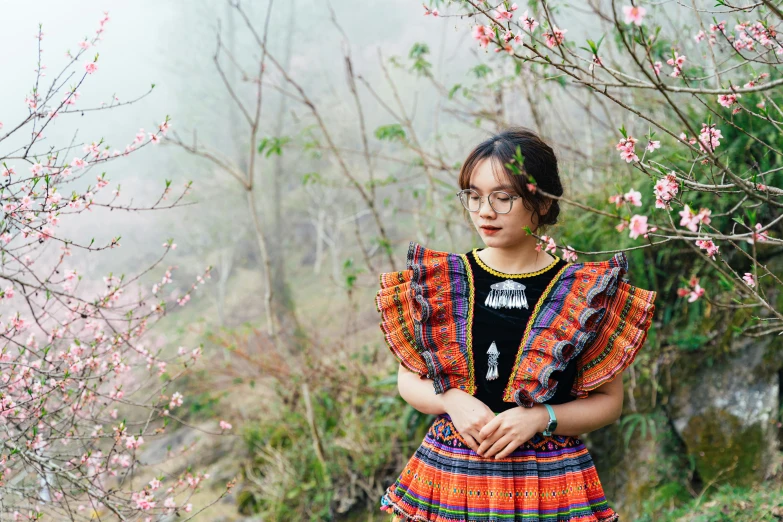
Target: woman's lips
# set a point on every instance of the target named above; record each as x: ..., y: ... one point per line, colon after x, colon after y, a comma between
x: 490, y: 231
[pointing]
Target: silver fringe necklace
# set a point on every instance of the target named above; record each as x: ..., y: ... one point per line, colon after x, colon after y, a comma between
x: 507, y: 294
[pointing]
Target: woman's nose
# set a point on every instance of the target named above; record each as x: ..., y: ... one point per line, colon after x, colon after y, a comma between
x: 486, y: 209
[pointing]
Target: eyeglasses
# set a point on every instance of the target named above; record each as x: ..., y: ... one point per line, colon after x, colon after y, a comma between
x: 500, y: 201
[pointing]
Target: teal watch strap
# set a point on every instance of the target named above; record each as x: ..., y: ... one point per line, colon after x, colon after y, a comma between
x: 552, y: 421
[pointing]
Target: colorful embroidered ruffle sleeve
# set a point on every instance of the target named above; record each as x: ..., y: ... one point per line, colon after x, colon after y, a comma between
x: 589, y: 312
x: 620, y: 335
x: 425, y: 311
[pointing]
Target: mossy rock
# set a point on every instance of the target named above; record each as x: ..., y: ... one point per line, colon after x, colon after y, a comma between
x: 653, y: 464
x: 724, y: 450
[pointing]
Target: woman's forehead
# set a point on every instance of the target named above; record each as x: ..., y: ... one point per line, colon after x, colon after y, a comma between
x: 490, y: 176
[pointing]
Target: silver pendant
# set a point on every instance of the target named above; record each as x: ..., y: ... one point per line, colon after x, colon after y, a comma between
x: 492, y: 372
x: 508, y: 294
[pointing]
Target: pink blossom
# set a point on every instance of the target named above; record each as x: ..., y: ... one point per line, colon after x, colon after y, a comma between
x: 700, y: 36
x: 749, y: 279
x: 133, y: 442
x: 684, y: 137
x: 550, y: 244
x: 657, y: 68
x: 758, y: 236
x: 721, y: 26
x: 78, y: 163
x: 32, y: 102
x: 626, y: 147
x: 727, y: 100
x: 90, y: 67
x: 502, y: 14
x: 652, y: 145
x: 483, y: 34
x: 634, y: 14
x: 568, y: 254
x: 708, y: 245
x: 144, y: 500
x: 8, y: 171
x: 84, y: 44
x: 694, y: 294
x: 36, y: 169
x: 224, y: 425
x: 154, y: 139
x: 638, y: 226
x: 709, y: 137
x: 528, y: 22
x: 555, y: 37
x: 691, y: 220
x: 433, y: 12
x: 665, y: 190
x: 634, y: 197
x: 676, y: 62
x: 176, y: 400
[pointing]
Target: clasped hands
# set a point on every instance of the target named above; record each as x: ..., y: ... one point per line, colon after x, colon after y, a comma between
x: 488, y: 434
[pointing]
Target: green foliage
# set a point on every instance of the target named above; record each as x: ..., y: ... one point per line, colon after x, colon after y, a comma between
x: 391, y: 132
x: 288, y: 479
x: 762, y: 503
x: 636, y: 422
x: 481, y: 71
x: 351, y: 273
x: 274, y: 145
x: 418, y: 53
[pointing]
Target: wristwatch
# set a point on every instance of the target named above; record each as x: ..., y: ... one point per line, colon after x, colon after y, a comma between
x: 552, y: 422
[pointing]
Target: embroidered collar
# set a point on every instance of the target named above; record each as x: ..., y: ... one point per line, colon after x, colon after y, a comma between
x: 511, y: 276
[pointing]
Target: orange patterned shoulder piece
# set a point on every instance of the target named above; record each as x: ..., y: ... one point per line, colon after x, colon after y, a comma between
x: 425, y: 316
x: 587, y: 310
x: 622, y: 333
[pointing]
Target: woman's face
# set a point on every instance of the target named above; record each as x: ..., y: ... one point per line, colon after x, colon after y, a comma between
x: 502, y: 230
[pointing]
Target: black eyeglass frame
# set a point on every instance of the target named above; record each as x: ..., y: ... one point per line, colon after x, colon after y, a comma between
x: 481, y: 200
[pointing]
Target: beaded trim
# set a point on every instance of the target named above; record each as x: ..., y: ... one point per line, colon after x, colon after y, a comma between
x: 469, y: 343
x: 512, y: 276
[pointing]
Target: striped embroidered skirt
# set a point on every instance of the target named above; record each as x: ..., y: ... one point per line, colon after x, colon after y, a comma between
x: 546, y: 479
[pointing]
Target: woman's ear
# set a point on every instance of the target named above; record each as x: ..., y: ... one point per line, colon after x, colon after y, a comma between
x: 545, y: 206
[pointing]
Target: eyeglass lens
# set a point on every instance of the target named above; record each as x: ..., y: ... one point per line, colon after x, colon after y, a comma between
x: 498, y: 200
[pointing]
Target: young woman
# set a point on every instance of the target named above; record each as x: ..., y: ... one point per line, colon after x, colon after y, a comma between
x: 523, y: 351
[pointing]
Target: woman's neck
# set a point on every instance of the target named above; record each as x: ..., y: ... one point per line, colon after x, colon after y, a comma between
x: 516, y: 260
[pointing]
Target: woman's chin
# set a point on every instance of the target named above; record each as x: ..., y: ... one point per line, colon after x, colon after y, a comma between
x: 494, y: 242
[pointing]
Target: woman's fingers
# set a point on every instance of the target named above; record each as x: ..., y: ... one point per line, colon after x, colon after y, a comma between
x: 490, y: 426
x: 470, y: 441
x: 499, y: 445
x: 508, y: 450
x: 489, y: 442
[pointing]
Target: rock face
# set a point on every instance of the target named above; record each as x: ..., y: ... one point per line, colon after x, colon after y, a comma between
x: 726, y: 414
x: 717, y: 420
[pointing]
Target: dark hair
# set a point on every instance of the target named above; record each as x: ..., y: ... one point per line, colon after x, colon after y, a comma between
x: 539, y: 161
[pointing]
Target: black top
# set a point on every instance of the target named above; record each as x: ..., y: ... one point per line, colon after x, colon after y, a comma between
x: 505, y: 324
